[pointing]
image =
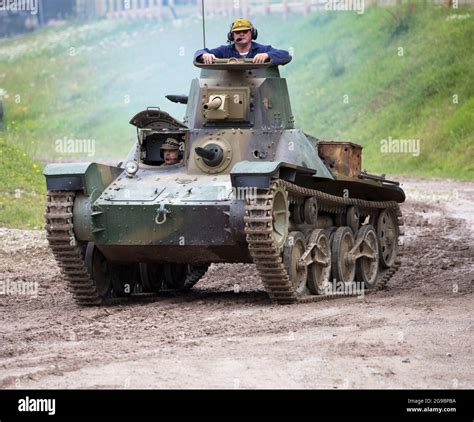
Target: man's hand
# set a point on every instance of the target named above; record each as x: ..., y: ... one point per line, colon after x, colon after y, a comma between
x: 261, y: 58
x: 208, y: 58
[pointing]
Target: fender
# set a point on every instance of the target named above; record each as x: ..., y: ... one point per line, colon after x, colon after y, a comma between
x: 258, y: 174
x: 90, y: 178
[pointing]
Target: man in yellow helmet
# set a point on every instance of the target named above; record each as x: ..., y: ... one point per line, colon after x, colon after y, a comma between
x: 241, y: 44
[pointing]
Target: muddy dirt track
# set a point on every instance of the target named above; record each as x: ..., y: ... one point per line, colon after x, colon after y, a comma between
x: 419, y: 333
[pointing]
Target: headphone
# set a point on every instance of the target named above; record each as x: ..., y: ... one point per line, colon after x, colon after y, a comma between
x: 230, y: 37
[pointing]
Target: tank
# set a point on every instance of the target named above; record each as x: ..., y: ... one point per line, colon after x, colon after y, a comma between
x: 249, y: 187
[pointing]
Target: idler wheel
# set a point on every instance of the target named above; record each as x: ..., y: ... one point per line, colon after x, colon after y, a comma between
x: 387, y: 233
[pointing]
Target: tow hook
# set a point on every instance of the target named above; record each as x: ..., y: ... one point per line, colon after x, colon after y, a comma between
x: 161, y: 214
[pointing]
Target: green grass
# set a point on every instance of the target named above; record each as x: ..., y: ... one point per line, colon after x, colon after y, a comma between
x: 22, y: 189
x: 87, y: 81
x: 403, y: 97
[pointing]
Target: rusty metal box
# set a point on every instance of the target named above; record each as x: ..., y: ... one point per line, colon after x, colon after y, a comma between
x: 343, y: 158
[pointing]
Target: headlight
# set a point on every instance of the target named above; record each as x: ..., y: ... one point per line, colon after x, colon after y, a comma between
x: 131, y: 167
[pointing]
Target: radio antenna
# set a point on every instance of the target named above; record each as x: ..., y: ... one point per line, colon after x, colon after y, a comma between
x: 203, y: 24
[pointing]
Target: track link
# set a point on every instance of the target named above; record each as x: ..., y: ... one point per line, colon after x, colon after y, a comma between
x: 267, y: 255
x: 66, y: 250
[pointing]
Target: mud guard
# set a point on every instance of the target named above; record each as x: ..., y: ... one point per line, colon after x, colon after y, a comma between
x: 258, y: 174
x: 90, y: 178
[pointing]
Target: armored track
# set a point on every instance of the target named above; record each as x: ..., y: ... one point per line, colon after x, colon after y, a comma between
x: 70, y: 253
x: 267, y: 255
x: 66, y: 250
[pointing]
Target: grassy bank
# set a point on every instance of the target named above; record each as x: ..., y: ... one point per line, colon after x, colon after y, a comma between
x: 391, y: 74
x: 22, y: 189
x: 388, y: 74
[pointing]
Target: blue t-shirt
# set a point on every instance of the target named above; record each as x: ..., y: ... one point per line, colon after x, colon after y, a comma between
x: 277, y: 57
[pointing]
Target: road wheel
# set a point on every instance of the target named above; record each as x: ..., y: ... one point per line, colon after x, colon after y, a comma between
x: 343, y: 269
x: 294, y: 249
x: 367, y: 266
x: 319, y: 272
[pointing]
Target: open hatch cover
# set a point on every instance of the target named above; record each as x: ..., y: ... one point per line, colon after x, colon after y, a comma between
x: 156, y: 119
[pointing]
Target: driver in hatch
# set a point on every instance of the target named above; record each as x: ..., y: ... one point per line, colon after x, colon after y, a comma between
x: 242, y: 46
x: 170, y: 150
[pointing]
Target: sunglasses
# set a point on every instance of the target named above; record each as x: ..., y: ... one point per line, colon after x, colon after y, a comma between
x: 245, y: 31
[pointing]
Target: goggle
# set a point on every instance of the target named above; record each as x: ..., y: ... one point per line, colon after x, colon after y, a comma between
x: 243, y: 31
